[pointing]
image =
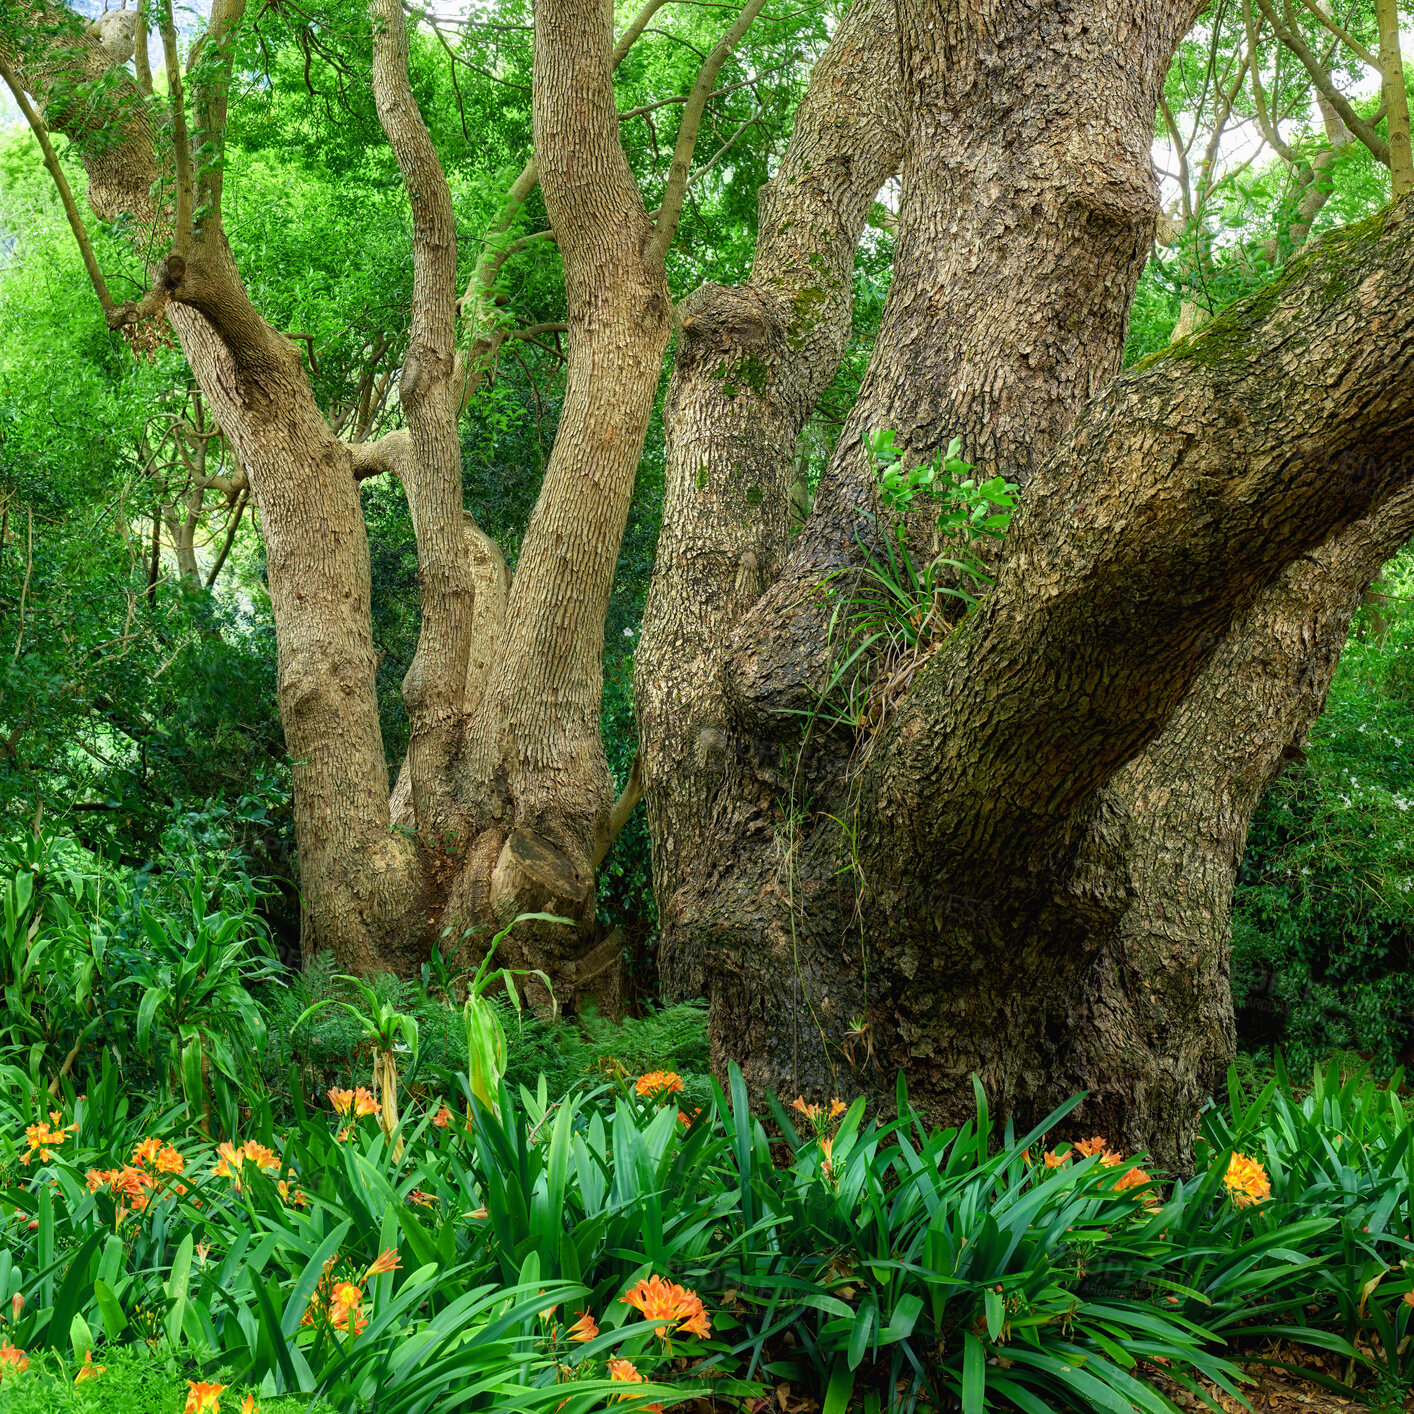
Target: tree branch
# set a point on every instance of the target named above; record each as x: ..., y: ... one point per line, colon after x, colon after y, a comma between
x: 670, y: 208
x: 181, y: 144
x: 1178, y: 494
x: 66, y: 195
x: 1320, y: 76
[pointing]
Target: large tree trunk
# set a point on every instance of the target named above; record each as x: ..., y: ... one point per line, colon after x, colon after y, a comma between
x: 1031, y: 877
x: 752, y: 361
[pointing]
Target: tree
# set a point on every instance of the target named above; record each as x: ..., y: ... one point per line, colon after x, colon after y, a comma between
x: 1018, y: 860
x: 505, y: 777
x: 1025, y: 870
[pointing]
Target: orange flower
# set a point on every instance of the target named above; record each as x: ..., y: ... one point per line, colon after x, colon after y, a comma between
x: 585, y: 1328
x: 248, y: 1405
x: 818, y: 1116
x: 426, y: 1200
x: 345, y: 1308
x: 203, y: 1398
x: 443, y: 1117
x: 1247, y: 1181
x: 88, y: 1370
x: 265, y: 1159
x: 1110, y: 1159
x: 383, y: 1263
x: 659, y: 1300
x: 1086, y: 1147
x: 228, y: 1163
x: 132, y: 1186
x: 169, y: 1160
x: 146, y: 1152
x: 364, y: 1103
x: 1409, y: 1298
x: 40, y: 1137
x: 293, y: 1197
x: 11, y: 1360
x: 1137, y: 1178
x: 1055, y: 1160
x: 479, y: 1213
x: 17, y: 1304
x: 627, y: 1371
x: 659, y: 1083
x: 342, y: 1101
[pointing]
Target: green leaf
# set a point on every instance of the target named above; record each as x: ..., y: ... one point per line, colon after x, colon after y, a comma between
x: 974, y: 1374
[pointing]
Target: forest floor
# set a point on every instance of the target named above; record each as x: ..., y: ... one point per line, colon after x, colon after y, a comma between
x: 1280, y: 1391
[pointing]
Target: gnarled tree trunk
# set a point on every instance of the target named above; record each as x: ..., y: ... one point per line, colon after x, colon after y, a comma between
x: 1031, y: 877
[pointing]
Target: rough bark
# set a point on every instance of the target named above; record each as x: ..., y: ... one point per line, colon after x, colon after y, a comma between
x: 1028, y: 206
x: 1032, y: 877
x: 1150, y: 1029
x: 534, y: 768
x: 752, y: 361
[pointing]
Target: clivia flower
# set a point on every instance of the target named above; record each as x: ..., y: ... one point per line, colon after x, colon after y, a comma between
x: 585, y: 1328
x: 293, y: 1197
x: 659, y: 1083
x: 203, y: 1398
x: 88, y: 1370
x: 1086, y: 1147
x: 12, y: 1360
x: 1247, y: 1181
x: 40, y: 1137
x: 382, y: 1264
x: 346, y: 1308
x: 627, y: 1371
x: 1137, y: 1178
x: 659, y: 1300
x: 816, y: 1114
x: 442, y: 1118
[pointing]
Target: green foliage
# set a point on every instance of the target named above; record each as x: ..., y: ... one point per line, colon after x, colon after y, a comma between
x: 894, y: 611
x: 873, y: 1262
x: 155, y: 971
x: 135, y: 1380
x: 1323, y: 922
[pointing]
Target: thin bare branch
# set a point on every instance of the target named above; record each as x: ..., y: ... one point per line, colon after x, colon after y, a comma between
x: 670, y: 208
x: 66, y: 195
x: 181, y: 143
x: 1320, y: 76
x: 1343, y: 35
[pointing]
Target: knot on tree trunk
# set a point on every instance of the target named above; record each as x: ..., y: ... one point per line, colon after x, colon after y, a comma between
x: 719, y: 321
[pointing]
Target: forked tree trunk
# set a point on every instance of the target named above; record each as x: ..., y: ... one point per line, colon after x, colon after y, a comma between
x: 752, y: 361
x: 1031, y: 877
x: 505, y: 797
